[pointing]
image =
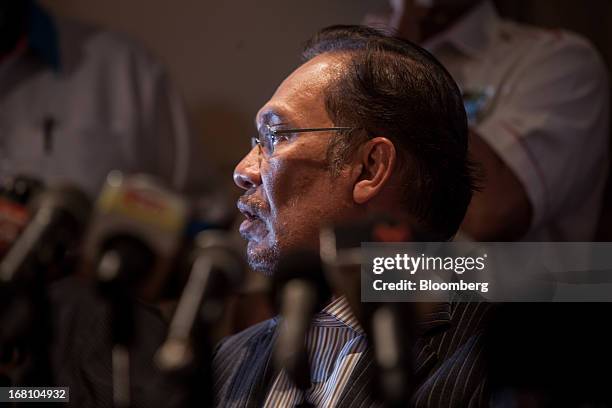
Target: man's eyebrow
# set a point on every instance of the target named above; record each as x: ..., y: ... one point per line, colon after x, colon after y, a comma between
x: 271, y: 117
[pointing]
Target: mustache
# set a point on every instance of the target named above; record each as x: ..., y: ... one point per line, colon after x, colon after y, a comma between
x: 250, y: 207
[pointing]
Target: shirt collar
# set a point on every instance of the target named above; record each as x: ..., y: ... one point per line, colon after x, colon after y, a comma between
x: 338, y: 311
x: 435, y: 319
x: 471, y: 33
x: 43, y: 36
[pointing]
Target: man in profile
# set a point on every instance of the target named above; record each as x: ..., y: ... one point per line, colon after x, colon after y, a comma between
x: 368, y: 124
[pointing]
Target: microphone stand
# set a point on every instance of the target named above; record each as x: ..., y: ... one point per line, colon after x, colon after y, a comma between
x: 390, y: 327
x: 120, y: 268
x: 186, y: 355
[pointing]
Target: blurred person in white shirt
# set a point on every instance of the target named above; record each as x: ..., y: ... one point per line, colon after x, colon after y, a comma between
x: 538, y: 105
x: 77, y: 102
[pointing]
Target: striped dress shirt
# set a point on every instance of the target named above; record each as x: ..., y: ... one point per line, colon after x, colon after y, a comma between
x: 334, y: 343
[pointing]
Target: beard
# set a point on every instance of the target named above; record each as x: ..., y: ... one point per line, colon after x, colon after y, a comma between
x: 263, y: 260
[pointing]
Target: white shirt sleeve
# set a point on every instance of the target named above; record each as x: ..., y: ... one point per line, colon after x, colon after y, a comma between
x: 549, y: 123
x: 173, y: 151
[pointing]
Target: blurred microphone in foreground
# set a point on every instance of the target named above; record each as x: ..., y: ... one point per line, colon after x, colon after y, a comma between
x: 390, y: 327
x: 137, y: 227
x: 59, y: 216
x: 15, y: 194
x: 217, y: 270
x: 301, y: 290
x: 41, y: 254
x: 134, y: 237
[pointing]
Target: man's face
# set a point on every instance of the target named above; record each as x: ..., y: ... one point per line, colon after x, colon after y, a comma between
x: 291, y: 193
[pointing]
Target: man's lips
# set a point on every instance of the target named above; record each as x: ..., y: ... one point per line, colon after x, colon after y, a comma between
x: 249, y: 211
x: 253, y: 226
x: 252, y: 229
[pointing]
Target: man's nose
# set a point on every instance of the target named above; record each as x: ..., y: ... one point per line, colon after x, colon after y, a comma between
x: 247, y: 173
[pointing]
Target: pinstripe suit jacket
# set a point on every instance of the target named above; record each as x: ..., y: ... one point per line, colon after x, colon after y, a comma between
x: 449, y: 366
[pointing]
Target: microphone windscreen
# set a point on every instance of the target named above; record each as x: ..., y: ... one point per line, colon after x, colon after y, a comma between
x: 305, y: 266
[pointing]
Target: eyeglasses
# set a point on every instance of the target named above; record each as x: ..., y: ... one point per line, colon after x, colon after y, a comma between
x: 268, y: 137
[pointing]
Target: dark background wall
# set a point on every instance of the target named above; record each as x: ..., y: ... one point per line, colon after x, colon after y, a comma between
x: 591, y: 18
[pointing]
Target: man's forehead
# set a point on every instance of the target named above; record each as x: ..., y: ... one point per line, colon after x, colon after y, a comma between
x: 318, y: 71
x: 304, y: 86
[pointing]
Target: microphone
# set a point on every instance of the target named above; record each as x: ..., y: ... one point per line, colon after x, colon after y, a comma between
x: 390, y: 327
x: 14, y: 214
x: 217, y: 269
x: 21, y: 189
x: 59, y: 216
x: 301, y: 288
x: 135, y: 234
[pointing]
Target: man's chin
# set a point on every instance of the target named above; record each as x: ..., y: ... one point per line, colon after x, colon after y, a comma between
x: 262, y: 259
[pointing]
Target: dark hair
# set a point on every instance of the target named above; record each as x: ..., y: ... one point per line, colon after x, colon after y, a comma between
x: 396, y: 89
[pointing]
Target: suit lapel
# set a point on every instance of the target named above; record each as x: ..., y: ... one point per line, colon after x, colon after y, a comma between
x: 360, y: 384
x: 263, y: 381
x: 248, y: 387
x: 425, y: 358
x: 358, y: 388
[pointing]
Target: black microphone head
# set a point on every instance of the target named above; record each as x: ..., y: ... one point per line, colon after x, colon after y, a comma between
x: 59, y: 216
x: 224, y: 254
x: 141, y: 215
x: 301, y: 290
x: 15, y: 195
x: 21, y: 189
x: 306, y: 266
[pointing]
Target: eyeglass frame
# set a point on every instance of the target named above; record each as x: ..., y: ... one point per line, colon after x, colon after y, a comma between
x: 256, y: 140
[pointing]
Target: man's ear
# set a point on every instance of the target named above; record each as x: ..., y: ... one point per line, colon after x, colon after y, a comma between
x: 377, y: 157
